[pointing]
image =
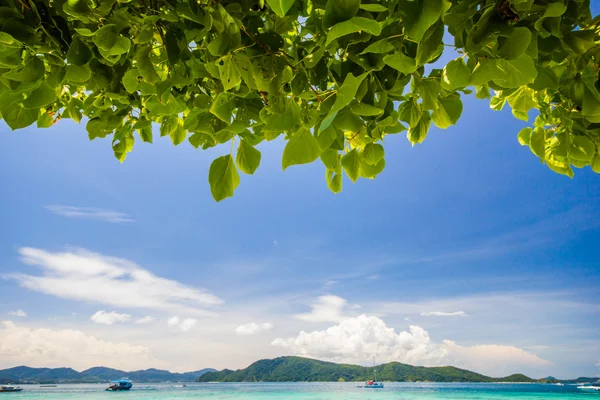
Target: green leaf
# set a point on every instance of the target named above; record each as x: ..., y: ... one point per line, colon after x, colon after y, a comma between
x: 302, y: 148
x: 79, y: 53
x: 330, y: 158
x: 371, y: 171
x: 431, y: 43
x: 373, y: 7
x: 449, y: 111
x: 78, y: 74
x: 247, y: 158
x: 515, y: 44
x: 223, y: 106
x: 379, y: 47
x: 326, y: 137
x: 40, y: 97
x: 223, y: 177
x: 456, y: 75
x: 429, y: 89
x: 419, y: 15
x: 596, y: 164
x: 351, y: 162
x: 373, y: 153
x: 365, y: 109
x: 582, y: 149
x: 525, y: 136
x: 339, y: 11
x: 106, y: 37
x: 518, y: 72
x: 228, y: 70
x: 345, y: 95
x: 17, y: 116
x: 401, y: 62
x: 32, y: 71
x: 334, y: 180
x: 537, y: 143
x: 280, y: 7
x: 418, y: 133
x: 353, y: 25
x: 45, y: 120
x: 410, y: 112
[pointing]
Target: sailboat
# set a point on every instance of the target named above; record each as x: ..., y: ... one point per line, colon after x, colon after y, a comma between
x: 373, y: 384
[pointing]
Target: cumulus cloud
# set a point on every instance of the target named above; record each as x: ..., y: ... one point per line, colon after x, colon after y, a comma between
x: 252, y: 328
x: 184, y: 325
x: 356, y: 340
x: 328, y: 308
x: 444, y: 314
x: 85, y: 276
x: 18, y: 313
x: 145, y: 320
x: 58, y: 348
x: 187, y: 324
x: 109, y: 318
x: 90, y: 213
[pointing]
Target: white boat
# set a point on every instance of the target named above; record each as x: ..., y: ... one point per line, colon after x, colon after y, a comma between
x: 559, y: 384
x: 589, y: 388
x: 8, y: 388
x: 373, y: 384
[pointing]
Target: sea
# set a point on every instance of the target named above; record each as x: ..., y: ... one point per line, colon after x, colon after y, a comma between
x: 308, y: 391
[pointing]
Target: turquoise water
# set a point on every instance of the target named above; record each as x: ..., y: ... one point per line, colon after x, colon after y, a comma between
x: 309, y: 391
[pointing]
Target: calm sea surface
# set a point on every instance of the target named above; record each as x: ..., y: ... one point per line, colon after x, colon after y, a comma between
x: 312, y: 391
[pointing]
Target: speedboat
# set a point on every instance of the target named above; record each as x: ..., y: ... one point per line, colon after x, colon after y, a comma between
x: 589, y: 388
x: 559, y: 384
x: 120, y: 384
x: 7, y: 388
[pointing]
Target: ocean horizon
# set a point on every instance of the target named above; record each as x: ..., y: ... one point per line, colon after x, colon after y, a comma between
x: 309, y: 390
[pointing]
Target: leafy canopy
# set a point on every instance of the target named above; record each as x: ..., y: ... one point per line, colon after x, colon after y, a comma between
x: 333, y: 77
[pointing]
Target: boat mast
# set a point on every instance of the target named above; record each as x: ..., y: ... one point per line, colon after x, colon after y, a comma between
x: 374, y: 370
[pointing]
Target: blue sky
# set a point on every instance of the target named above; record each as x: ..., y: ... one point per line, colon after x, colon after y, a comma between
x: 486, y: 253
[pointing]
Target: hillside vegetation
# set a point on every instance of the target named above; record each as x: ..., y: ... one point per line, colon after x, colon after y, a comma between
x: 298, y: 369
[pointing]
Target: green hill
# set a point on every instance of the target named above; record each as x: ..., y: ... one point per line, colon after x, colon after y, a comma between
x: 299, y: 369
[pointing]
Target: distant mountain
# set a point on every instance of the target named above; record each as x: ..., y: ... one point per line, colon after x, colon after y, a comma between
x: 582, y: 379
x: 97, y: 374
x: 299, y: 369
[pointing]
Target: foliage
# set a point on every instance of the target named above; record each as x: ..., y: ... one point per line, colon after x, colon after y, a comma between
x: 299, y: 369
x: 333, y: 77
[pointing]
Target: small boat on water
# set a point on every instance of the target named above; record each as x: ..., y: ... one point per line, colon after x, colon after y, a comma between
x: 559, y: 384
x: 8, y: 388
x: 373, y: 384
x: 120, y: 384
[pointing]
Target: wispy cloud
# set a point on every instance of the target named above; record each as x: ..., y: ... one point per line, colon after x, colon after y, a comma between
x: 90, y: 213
x: 145, y: 320
x: 117, y: 282
x: 328, y: 308
x: 444, y: 314
x: 18, y: 313
x: 253, y: 328
x: 109, y: 318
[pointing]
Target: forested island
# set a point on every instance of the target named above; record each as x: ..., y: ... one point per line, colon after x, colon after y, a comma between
x: 299, y: 369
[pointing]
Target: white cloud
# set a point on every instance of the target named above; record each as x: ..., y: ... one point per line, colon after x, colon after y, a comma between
x: 373, y: 277
x: 90, y: 213
x: 145, y: 320
x: 356, y: 340
x: 18, y: 313
x: 598, y: 365
x: 187, y: 324
x: 328, y: 308
x: 252, y: 328
x: 444, y: 314
x: 184, y: 325
x: 67, y: 347
x: 83, y: 275
x: 109, y: 318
